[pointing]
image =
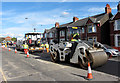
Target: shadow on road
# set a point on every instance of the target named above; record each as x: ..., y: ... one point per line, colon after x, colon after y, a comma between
x: 79, y: 75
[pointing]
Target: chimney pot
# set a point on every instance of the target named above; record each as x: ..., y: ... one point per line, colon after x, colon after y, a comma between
x: 57, y: 24
x: 107, y: 9
x: 75, y: 19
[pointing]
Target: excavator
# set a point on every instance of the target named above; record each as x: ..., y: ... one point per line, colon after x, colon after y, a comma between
x: 78, y: 52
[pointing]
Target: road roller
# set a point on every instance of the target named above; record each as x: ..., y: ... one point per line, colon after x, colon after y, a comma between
x: 78, y: 52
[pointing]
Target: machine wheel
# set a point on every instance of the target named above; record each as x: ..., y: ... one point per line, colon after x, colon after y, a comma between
x: 83, y: 65
x: 55, y: 57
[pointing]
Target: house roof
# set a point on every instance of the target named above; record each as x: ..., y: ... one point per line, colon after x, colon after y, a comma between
x: 65, y: 25
x: 80, y: 22
x: 102, y: 18
x: 113, y: 17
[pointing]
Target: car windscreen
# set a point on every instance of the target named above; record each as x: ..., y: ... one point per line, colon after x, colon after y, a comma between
x: 108, y: 47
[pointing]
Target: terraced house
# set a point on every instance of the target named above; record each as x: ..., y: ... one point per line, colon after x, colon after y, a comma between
x: 98, y: 27
x: 115, y: 29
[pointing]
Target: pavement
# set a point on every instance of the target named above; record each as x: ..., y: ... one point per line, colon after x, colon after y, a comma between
x: 16, y: 67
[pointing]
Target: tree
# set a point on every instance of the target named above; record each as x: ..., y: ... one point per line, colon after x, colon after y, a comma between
x: 14, y: 39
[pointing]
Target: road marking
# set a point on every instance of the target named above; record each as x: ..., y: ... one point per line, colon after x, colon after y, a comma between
x: 3, y: 75
x: 47, y: 62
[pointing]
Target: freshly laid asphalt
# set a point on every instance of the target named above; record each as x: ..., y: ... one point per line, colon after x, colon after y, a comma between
x: 16, y: 67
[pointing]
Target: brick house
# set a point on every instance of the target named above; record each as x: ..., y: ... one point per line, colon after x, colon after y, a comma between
x: 95, y: 27
x: 51, y: 34
x: 91, y: 28
x: 115, y: 29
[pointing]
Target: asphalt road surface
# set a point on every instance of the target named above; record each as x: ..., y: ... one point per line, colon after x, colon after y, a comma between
x: 16, y: 67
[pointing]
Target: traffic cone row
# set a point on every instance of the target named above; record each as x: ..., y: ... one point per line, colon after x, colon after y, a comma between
x: 89, y: 75
x: 16, y: 51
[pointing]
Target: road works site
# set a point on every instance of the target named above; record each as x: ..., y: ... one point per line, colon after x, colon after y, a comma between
x: 17, y: 67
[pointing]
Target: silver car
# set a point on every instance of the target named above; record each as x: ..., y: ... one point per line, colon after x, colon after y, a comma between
x: 110, y: 51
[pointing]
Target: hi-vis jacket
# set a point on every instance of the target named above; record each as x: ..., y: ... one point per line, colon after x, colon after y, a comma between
x: 25, y: 46
x: 47, y: 45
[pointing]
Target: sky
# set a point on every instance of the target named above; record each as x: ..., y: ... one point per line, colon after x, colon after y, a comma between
x: 43, y: 15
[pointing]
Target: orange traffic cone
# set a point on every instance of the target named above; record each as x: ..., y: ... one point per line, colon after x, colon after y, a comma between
x: 2, y: 46
x: 15, y: 50
x: 89, y: 76
x: 27, y: 54
x: 9, y: 49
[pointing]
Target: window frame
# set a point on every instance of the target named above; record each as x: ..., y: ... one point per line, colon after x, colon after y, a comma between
x: 116, y: 24
x: 82, y: 30
x: 50, y: 35
x: 116, y: 40
x: 93, y: 26
x: 92, y: 38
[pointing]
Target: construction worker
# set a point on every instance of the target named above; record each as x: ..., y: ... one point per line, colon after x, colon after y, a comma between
x: 75, y: 37
x: 47, y: 47
x: 6, y: 45
x: 42, y: 45
x: 25, y: 48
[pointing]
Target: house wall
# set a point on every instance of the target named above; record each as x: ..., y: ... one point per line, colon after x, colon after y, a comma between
x: 114, y: 33
x: 105, y: 33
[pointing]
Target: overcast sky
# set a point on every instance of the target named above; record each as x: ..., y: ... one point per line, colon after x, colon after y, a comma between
x: 43, y: 15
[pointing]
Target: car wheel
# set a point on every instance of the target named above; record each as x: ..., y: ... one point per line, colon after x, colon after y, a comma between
x: 109, y: 55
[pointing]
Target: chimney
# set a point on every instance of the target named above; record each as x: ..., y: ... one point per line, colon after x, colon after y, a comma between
x: 107, y: 9
x: 75, y: 19
x: 118, y: 7
x: 57, y: 24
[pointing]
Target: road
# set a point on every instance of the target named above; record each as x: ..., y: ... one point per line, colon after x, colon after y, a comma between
x: 16, y: 67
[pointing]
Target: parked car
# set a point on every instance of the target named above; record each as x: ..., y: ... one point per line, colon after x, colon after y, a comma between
x: 110, y: 51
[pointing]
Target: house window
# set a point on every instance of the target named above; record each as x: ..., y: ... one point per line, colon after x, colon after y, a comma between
x: 55, y: 35
x: 45, y: 35
x: 91, y: 28
x: 62, y: 33
x: 92, y: 38
x: 82, y: 30
x: 117, y: 24
x: 117, y: 40
x: 50, y: 35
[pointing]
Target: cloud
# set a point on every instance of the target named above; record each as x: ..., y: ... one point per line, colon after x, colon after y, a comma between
x: 38, y: 18
x: 100, y: 9
x: 63, y: 0
x: 8, y: 12
x: 65, y: 13
x: 0, y: 13
x: 96, y: 9
x: 114, y: 8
